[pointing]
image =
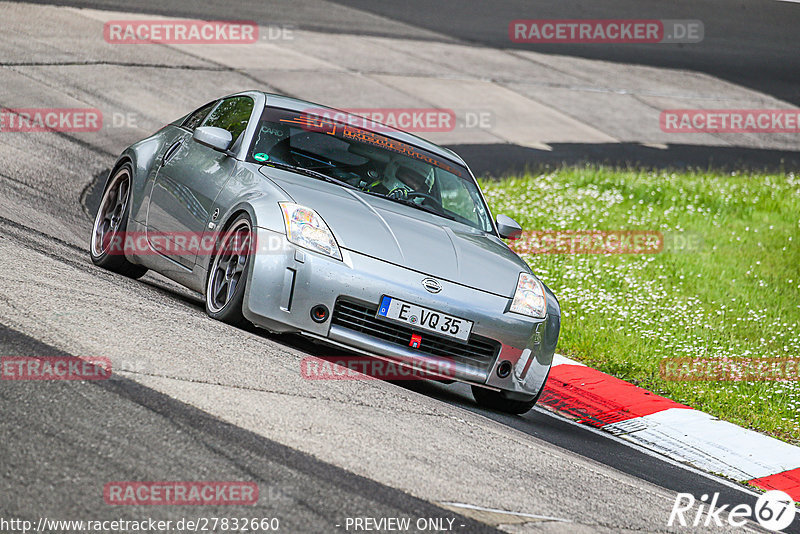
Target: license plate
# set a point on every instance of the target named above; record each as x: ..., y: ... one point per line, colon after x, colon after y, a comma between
x: 424, y: 318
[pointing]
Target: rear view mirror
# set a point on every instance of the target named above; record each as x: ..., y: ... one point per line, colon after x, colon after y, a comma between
x: 508, y: 228
x: 213, y: 137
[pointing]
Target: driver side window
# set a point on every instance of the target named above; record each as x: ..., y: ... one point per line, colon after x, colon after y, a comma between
x: 232, y: 114
x: 197, y: 117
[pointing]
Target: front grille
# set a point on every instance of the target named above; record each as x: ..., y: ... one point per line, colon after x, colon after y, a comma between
x: 479, y: 352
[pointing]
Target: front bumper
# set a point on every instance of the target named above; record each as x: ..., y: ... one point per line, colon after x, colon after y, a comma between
x: 285, y: 282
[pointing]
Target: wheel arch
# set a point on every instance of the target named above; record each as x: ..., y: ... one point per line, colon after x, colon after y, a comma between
x: 226, y: 223
x: 141, y: 157
x: 122, y: 160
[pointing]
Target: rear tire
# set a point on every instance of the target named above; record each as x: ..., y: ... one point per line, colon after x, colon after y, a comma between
x: 227, y: 277
x: 495, y: 400
x: 110, y: 224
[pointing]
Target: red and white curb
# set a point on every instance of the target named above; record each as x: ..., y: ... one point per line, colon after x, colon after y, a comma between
x: 670, y: 428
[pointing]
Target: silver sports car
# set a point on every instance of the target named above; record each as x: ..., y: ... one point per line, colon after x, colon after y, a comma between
x: 345, y: 231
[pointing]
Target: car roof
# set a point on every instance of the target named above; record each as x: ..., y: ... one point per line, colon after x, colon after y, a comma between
x: 296, y: 104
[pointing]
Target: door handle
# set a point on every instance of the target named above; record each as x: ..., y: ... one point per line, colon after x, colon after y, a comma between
x: 171, y: 151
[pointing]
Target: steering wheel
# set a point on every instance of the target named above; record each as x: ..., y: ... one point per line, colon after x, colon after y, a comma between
x: 424, y: 196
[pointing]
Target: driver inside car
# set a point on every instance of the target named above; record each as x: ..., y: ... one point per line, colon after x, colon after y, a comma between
x: 403, y: 176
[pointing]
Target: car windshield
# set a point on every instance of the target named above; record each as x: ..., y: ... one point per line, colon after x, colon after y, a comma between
x: 370, y: 162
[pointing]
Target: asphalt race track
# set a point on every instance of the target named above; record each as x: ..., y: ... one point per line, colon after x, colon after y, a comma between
x: 193, y: 399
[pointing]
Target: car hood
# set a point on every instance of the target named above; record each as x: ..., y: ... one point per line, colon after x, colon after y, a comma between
x: 406, y: 236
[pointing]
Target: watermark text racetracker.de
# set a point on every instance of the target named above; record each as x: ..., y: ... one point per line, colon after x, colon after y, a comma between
x: 181, y: 493
x: 730, y: 121
x: 192, y: 32
x: 406, y: 119
x: 45, y: 119
x: 189, y: 244
x: 605, y: 242
x: 54, y: 368
x: 730, y: 369
x: 589, y: 242
x: 621, y: 31
x: 366, y: 368
x: 15, y: 120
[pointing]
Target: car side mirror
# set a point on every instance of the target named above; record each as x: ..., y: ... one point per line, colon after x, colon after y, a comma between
x: 508, y: 228
x: 217, y: 138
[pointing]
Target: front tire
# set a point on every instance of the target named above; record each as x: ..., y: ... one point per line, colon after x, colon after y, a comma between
x: 495, y: 400
x: 227, y: 276
x: 110, y: 224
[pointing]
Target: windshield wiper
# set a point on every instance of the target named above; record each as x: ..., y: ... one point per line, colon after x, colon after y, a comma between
x: 331, y: 179
x: 409, y: 202
x: 309, y: 172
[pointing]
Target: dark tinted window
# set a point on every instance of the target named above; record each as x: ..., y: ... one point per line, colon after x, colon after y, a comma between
x: 232, y: 114
x: 194, y: 120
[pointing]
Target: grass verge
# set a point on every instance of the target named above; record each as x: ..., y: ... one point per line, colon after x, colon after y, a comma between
x: 727, y: 283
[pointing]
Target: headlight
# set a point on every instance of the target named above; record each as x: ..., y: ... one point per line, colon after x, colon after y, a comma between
x: 305, y: 228
x: 529, y: 298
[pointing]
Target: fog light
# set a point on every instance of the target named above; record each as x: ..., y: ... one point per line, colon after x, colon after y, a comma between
x: 319, y: 313
x: 504, y: 369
